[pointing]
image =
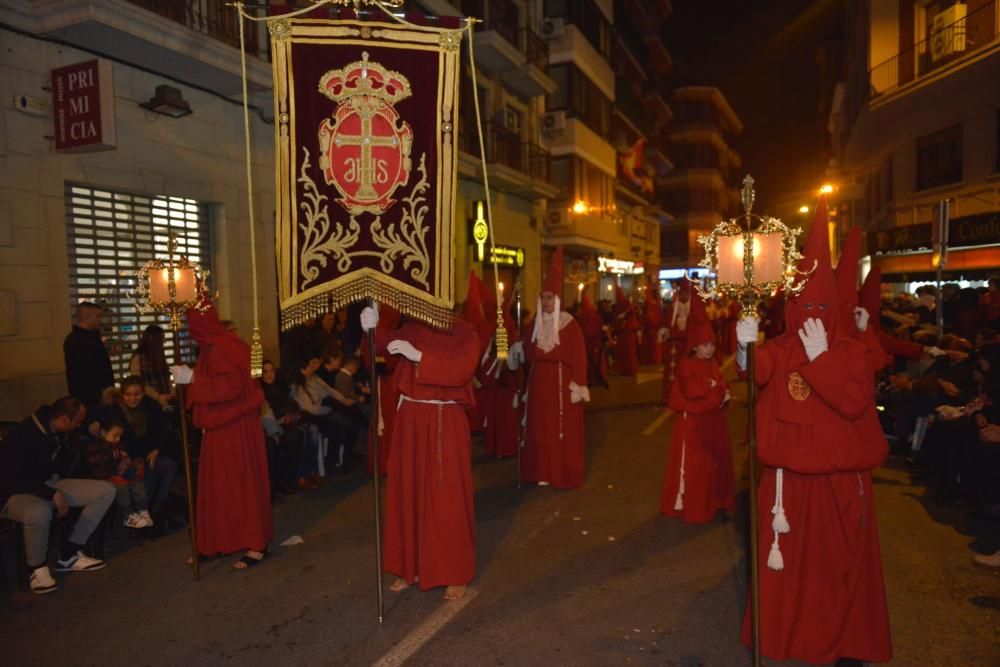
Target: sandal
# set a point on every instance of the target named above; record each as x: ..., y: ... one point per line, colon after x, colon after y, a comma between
x: 249, y: 561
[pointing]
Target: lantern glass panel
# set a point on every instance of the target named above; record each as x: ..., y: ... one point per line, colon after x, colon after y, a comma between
x: 767, y: 258
x: 185, y: 285
x: 730, y: 259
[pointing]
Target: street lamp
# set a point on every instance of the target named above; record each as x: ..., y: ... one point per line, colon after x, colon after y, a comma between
x: 172, y: 286
x: 803, y: 209
x: 751, y: 263
x: 826, y: 189
x: 580, y: 207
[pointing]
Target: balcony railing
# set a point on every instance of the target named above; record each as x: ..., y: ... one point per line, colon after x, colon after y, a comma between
x: 941, y: 48
x: 538, y: 162
x: 628, y: 104
x: 214, y: 18
x: 536, y: 49
x: 499, y: 15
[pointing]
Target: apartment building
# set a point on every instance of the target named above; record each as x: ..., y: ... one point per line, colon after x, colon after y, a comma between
x: 917, y: 123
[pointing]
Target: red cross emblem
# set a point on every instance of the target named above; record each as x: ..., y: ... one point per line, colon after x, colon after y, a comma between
x: 365, y: 147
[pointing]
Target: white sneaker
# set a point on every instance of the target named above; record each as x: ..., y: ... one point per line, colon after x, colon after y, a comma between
x: 147, y: 518
x: 134, y: 520
x: 80, y: 562
x: 42, y: 581
x: 991, y: 562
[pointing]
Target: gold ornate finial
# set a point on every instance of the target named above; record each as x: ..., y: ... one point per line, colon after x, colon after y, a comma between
x: 502, y: 342
x: 748, y: 196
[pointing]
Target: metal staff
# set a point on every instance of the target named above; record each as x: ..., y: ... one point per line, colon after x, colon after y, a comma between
x: 188, y: 477
x: 376, y: 477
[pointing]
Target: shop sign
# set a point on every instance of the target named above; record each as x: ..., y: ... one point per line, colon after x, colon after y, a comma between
x: 969, y: 230
x: 619, y: 266
x: 480, y: 230
x: 503, y: 255
x: 83, y: 107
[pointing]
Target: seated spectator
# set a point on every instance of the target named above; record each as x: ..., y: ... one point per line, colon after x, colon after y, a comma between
x: 345, y: 383
x: 149, y: 363
x: 146, y: 437
x: 332, y: 362
x: 32, y: 491
x: 325, y: 406
x: 107, y: 460
x: 286, y: 439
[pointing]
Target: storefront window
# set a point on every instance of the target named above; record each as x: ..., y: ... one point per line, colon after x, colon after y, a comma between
x: 109, y: 235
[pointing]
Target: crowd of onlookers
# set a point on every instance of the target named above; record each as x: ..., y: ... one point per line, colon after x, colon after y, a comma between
x: 116, y: 445
x: 941, y: 396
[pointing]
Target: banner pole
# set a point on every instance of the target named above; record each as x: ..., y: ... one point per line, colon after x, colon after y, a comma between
x: 376, y: 477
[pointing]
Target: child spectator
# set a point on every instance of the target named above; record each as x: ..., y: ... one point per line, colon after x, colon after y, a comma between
x: 107, y: 460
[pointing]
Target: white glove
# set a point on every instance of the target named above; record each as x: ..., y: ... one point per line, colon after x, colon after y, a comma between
x: 727, y: 397
x: 515, y: 356
x: 517, y: 400
x: 861, y: 318
x: 746, y: 330
x: 405, y: 349
x: 662, y: 334
x: 578, y: 393
x: 182, y: 374
x: 369, y: 319
x: 935, y: 351
x: 813, y: 336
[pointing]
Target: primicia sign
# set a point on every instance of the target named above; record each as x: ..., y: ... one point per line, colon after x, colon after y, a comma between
x: 83, y: 107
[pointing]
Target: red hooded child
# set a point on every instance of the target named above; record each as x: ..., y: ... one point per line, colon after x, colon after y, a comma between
x: 234, y: 490
x: 699, y: 477
x: 557, y: 389
x: 593, y: 336
x: 822, y: 595
x: 673, y: 335
x: 626, y: 334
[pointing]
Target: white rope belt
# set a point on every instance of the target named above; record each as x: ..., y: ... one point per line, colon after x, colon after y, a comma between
x: 428, y: 401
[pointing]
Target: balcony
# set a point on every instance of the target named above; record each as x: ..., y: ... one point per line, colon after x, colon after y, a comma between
x: 943, y: 50
x: 629, y: 108
x: 531, y: 79
x: 513, y: 165
x: 655, y: 99
x: 589, y: 232
x: 191, y: 41
x: 496, y: 39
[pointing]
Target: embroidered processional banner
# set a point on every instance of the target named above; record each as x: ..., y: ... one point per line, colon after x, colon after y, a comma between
x: 366, y: 165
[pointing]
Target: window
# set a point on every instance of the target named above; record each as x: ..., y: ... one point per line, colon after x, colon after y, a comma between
x: 109, y: 235
x: 939, y: 158
x: 587, y: 17
x: 580, y: 98
x: 579, y: 180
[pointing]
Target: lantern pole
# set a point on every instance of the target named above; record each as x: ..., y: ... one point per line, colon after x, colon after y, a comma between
x: 182, y: 411
x: 750, y: 292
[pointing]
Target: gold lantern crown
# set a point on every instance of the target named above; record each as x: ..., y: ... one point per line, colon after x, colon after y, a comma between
x: 170, y: 286
x: 752, y: 263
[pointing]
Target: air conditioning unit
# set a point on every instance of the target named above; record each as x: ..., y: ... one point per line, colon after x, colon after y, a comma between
x: 556, y: 217
x: 509, y: 120
x: 554, y: 27
x: 948, y: 32
x: 553, y: 121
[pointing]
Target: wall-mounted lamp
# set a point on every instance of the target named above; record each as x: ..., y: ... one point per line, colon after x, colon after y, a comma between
x: 168, y: 101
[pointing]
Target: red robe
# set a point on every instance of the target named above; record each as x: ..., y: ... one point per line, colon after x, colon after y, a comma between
x: 821, y: 427
x: 627, y: 345
x: 429, y: 527
x: 554, y: 445
x: 650, y: 352
x: 593, y: 337
x: 234, y: 490
x: 701, y: 453
x: 503, y: 426
x: 673, y: 351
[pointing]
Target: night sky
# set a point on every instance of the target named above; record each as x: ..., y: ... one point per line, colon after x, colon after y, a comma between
x: 763, y: 55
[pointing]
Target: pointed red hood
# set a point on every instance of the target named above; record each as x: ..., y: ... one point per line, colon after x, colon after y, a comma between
x: 870, y: 296
x: 819, y: 299
x: 699, y: 327
x: 554, y: 277
x: 847, y: 277
x: 205, y: 327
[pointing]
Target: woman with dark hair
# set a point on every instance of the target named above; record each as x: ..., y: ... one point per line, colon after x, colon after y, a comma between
x: 290, y: 453
x: 149, y: 364
x: 323, y: 404
x: 147, y: 437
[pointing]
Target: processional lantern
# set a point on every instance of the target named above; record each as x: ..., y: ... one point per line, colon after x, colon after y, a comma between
x: 752, y: 258
x: 171, y: 286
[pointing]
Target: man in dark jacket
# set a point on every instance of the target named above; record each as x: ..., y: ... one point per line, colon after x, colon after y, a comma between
x: 88, y: 366
x: 31, y: 491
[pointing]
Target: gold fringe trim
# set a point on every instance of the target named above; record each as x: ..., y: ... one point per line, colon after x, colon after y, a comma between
x: 502, y: 342
x: 434, y: 313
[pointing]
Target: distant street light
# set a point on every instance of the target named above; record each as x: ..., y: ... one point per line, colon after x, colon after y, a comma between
x: 803, y: 209
x: 580, y: 207
x: 826, y: 189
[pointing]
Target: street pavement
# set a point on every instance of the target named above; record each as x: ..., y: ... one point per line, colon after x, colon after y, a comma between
x: 588, y: 577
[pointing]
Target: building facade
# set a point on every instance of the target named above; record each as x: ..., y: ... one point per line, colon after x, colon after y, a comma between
x: 74, y: 220
x: 701, y: 188
x: 916, y: 124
